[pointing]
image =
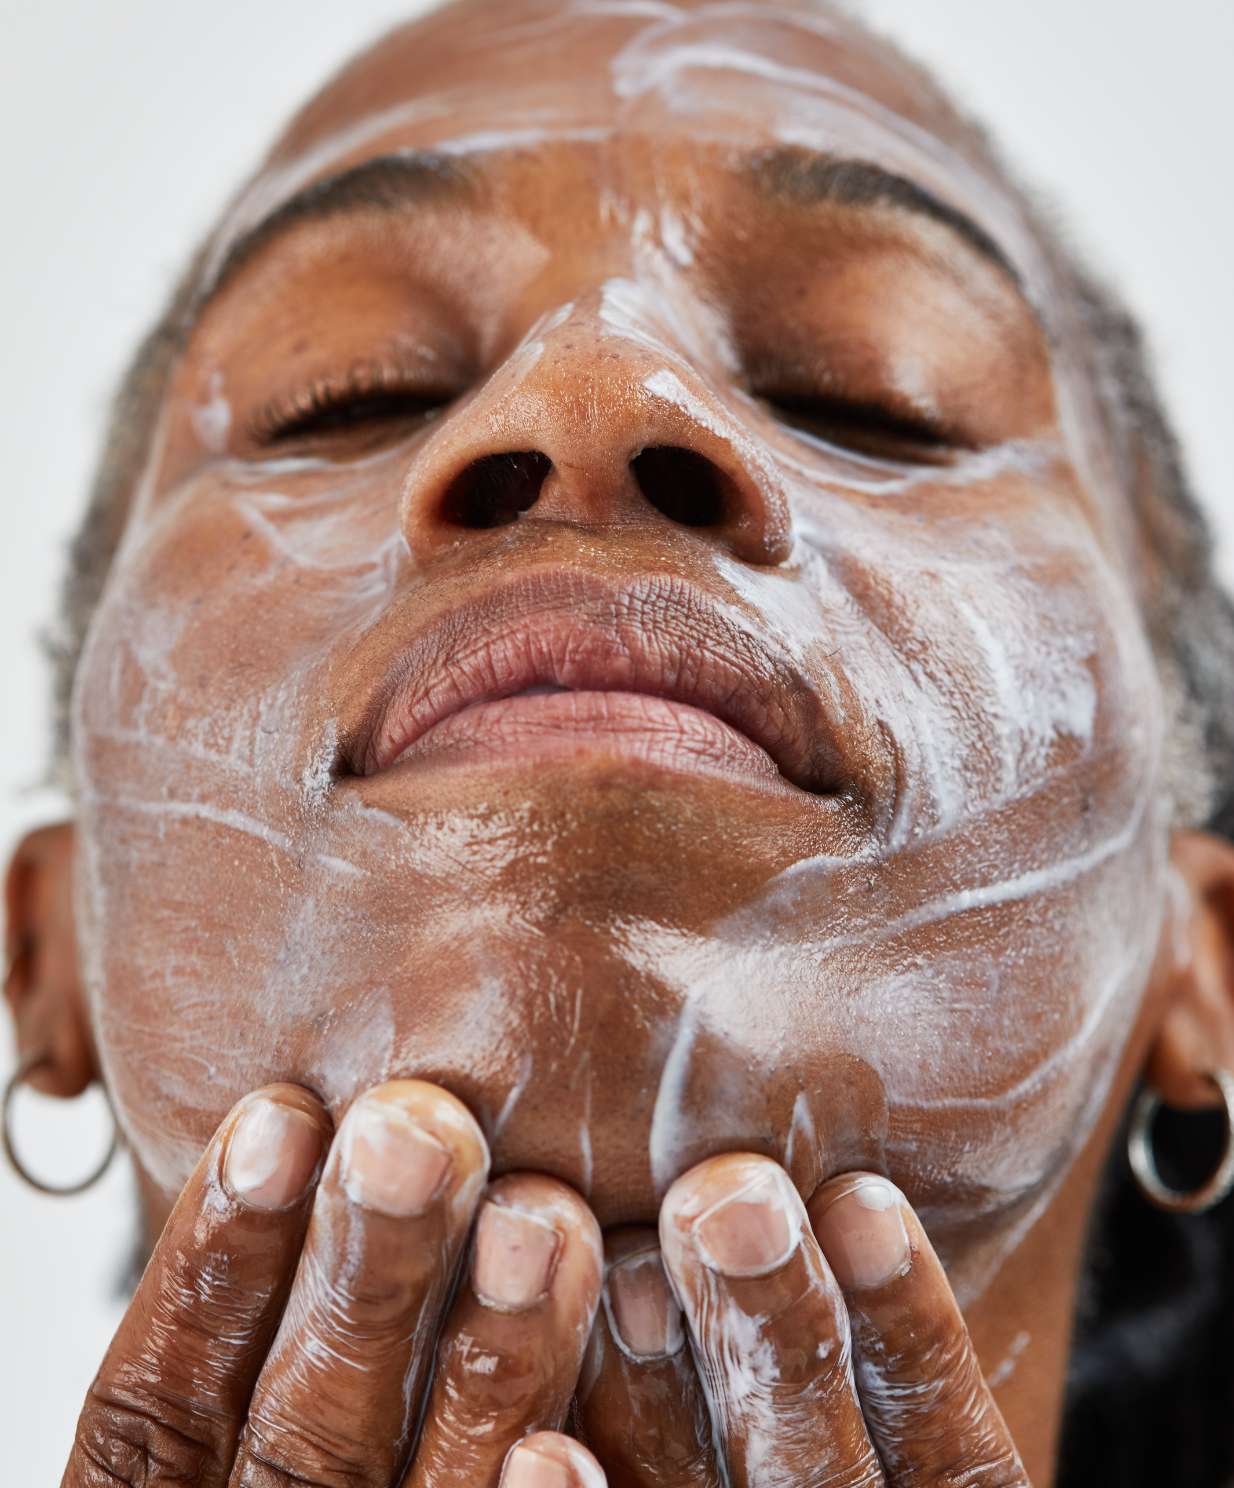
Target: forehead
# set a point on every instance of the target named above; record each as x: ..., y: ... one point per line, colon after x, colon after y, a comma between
x: 486, y: 75
x: 605, y: 63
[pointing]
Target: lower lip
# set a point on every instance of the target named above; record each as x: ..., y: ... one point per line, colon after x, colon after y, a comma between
x: 628, y: 725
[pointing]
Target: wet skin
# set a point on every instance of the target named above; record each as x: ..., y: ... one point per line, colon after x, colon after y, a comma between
x: 283, y: 1331
x: 845, y: 843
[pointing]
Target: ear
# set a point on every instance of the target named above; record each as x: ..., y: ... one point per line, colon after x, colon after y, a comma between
x: 43, y: 988
x: 1196, y: 1033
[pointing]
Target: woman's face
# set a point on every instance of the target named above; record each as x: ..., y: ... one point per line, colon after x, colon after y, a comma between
x: 566, y: 347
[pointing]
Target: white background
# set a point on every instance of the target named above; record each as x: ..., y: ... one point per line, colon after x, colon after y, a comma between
x: 123, y: 123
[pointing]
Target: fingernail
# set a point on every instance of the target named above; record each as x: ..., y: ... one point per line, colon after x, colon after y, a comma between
x: 863, y: 1236
x: 272, y: 1154
x: 390, y: 1163
x: 752, y: 1230
x: 569, y: 1467
x: 514, y: 1257
x: 642, y: 1311
x: 527, y: 1468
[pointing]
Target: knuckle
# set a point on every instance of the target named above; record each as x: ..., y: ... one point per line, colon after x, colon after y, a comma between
x: 654, y: 1454
x: 129, y: 1443
x: 213, y: 1310
x: 369, y: 1300
x: 1001, y: 1469
x: 925, y: 1367
x: 276, y: 1454
x: 671, y: 1464
x: 490, y: 1376
x: 864, y: 1472
x: 352, y: 1313
x: 812, y: 1346
x: 833, y: 1354
x: 929, y: 1401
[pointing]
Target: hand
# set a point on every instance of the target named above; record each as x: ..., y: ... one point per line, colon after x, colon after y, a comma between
x: 827, y: 1346
x: 283, y: 1331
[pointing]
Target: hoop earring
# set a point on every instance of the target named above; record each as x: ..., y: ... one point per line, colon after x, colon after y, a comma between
x: 1144, y: 1160
x: 23, y: 1071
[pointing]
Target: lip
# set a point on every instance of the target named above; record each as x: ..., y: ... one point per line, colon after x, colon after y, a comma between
x: 634, y: 725
x: 726, y: 700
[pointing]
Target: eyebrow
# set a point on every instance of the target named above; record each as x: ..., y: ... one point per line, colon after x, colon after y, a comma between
x: 387, y: 183
x: 807, y: 178
x: 392, y: 183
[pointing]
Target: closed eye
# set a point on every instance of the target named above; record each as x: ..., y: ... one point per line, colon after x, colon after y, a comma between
x: 867, y: 428
x: 367, y: 410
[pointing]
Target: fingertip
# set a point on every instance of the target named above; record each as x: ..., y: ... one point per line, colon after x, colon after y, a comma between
x: 405, y: 1145
x: 272, y: 1147
x: 698, y: 1187
x: 643, y: 1315
x: 438, y: 1108
x: 283, y: 1093
x: 534, y: 1235
x: 738, y: 1213
x: 549, y: 1460
x: 299, y: 1098
x: 564, y: 1206
x: 863, y: 1225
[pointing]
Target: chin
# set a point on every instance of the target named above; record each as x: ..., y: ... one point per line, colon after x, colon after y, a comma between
x: 593, y: 837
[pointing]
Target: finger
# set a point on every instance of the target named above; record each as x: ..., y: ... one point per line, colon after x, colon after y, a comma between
x: 767, y: 1325
x: 640, y: 1404
x: 510, y: 1353
x: 926, y: 1400
x: 548, y: 1460
x: 170, y: 1398
x: 337, y: 1399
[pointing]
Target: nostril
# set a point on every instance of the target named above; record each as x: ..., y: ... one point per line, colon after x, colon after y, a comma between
x: 495, y: 489
x: 685, y: 486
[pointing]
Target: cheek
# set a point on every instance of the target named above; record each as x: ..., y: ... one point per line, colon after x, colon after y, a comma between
x: 986, y: 967
x: 199, y: 743
x: 1004, y: 657
x: 226, y: 600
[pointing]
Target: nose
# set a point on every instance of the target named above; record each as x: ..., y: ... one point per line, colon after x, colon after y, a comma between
x: 600, y: 430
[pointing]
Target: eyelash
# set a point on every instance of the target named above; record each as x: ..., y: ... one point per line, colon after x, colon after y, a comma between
x: 375, y: 395
x: 368, y: 395
x: 871, y: 427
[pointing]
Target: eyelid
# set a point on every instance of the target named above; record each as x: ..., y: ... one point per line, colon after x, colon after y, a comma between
x: 313, y: 397
x: 891, y: 412
x: 905, y: 432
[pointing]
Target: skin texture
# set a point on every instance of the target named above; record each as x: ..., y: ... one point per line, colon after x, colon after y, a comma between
x: 236, y: 1364
x: 933, y: 934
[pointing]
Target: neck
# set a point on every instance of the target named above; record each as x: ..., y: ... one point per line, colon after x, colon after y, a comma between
x: 1021, y: 1325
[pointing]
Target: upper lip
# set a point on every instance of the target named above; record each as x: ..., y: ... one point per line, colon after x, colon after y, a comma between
x: 658, y: 635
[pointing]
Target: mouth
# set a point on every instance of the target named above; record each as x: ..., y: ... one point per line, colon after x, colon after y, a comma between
x: 563, y: 663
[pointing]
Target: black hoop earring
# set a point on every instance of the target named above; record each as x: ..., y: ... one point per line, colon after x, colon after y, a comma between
x: 1144, y: 1160
x: 23, y: 1071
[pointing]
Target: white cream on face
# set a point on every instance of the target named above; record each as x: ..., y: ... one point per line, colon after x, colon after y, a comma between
x: 1004, y: 660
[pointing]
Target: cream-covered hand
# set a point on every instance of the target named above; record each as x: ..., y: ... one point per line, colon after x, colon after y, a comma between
x: 284, y: 1328
x: 825, y: 1345
x: 309, y: 1315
